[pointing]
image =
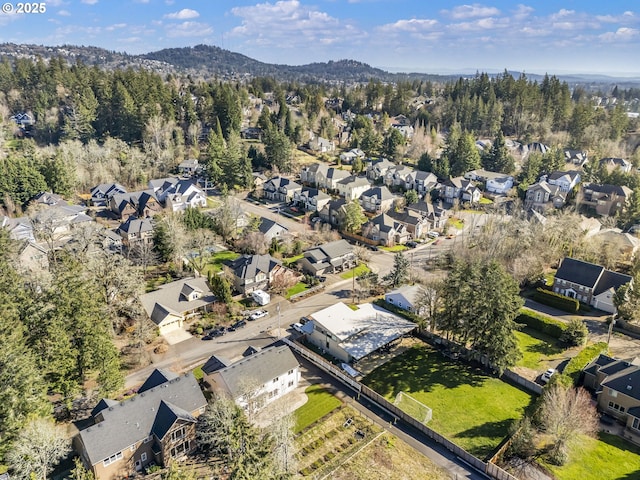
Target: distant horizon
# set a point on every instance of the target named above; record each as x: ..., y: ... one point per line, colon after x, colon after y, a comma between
x: 587, y: 37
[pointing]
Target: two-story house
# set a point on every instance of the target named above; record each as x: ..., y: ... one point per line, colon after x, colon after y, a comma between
x: 253, y: 272
x: 281, y: 189
x: 331, y: 257
x: 415, y: 224
x: 542, y: 196
x: 385, y: 230
x: 434, y: 214
x: 567, y: 181
x: 353, y: 187
x: 331, y: 177
x: 258, y: 379
x: 135, y: 231
x: 141, y: 204
x: 101, y: 194
x: 310, y: 199
x: 156, y: 426
x: 377, y: 169
x: 349, y: 157
x: 589, y: 283
x: 421, y: 182
x: 334, y: 212
x: 606, y: 200
x: 309, y: 174
x: 497, y: 183
x: 459, y: 188
x: 377, y: 199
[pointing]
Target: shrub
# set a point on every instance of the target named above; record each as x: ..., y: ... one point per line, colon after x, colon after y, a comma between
x: 542, y: 323
x: 571, y: 373
x: 575, y: 333
x: 381, y: 302
x: 556, y: 300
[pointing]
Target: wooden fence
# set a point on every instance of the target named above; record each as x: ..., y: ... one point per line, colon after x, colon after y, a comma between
x: 489, y: 468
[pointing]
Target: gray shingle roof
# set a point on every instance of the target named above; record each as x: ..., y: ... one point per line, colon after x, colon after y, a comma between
x: 168, y: 414
x: 611, y: 279
x: 157, y: 377
x: 133, y: 420
x: 626, y: 382
x: 247, y: 266
x: 171, y: 298
x: 577, y: 271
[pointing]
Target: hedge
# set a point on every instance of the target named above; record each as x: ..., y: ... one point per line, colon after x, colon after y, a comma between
x: 542, y: 323
x: 381, y: 302
x: 556, y: 300
x: 571, y: 373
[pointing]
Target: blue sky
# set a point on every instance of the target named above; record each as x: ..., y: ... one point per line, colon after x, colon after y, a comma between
x: 411, y: 35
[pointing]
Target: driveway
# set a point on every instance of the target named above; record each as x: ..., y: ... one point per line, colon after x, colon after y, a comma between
x: 177, y: 336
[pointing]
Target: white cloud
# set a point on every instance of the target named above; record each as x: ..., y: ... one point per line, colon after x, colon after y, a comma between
x: 410, y: 25
x: 562, y: 13
x: 89, y: 2
x: 189, y: 29
x: 622, y: 34
x: 471, y: 11
x: 64, y: 13
x: 115, y: 26
x: 522, y: 12
x: 184, y: 14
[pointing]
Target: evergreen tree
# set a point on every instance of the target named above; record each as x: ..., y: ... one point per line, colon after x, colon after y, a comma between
x: 400, y: 272
x: 465, y: 157
x: 498, y: 159
x: 354, y: 217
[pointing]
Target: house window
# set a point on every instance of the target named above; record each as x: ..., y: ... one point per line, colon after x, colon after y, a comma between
x: 178, y: 434
x: 290, y: 383
x: 275, y: 380
x: 113, y: 458
x: 636, y: 424
x: 180, y: 449
x: 615, y: 406
x: 613, y: 393
x: 143, y: 457
x: 201, y: 410
x: 290, y: 372
x: 148, y: 439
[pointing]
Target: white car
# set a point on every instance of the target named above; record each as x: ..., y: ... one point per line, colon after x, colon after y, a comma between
x: 258, y: 314
x: 546, y: 376
x: 433, y: 234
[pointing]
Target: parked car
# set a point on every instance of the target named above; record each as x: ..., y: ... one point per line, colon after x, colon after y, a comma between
x: 546, y: 376
x: 411, y: 244
x: 258, y: 314
x: 433, y: 234
x: 297, y: 327
x: 239, y: 324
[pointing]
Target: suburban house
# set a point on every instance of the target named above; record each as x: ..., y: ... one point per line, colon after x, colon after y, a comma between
x: 309, y: 174
x: 321, y: 145
x: 334, y: 212
x: 435, y: 215
x: 385, y: 230
x: 617, y: 386
x: 534, y: 147
x: 397, y: 176
x: 183, y: 195
x: 625, y: 245
x: 349, y: 157
x: 280, y: 189
x: 156, y: 426
x: 567, y: 181
x: 19, y: 228
x: 101, y: 194
x: 141, y: 204
x: 271, y: 229
x: 33, y: 257
x: 173, y: 302
x: 612, y: 164
x: 576, y: 157
x: 606, y: 200
x: 416, y: 224
x: 353, y: 187
x: 542, y: 195
x: 189, y: 167
x: 350, y: 335
x: 378, y: 168
x: 331, y: 177
x: 253, y: 272
x: 589, y: 283
x: 310, y: 199
x: 459, y: 188
x: 377, y: 200
x: 135, y: 231
x: 331, y: 257
x: 421, y: 182
x: 498, y: 183
x: 258, y: 379
x: 406, y: 297
x: 162, y: 184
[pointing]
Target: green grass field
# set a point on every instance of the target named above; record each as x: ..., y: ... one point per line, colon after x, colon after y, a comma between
x: 537, y: 349
x: 216, y: 261
x: 287, y: 262
x: 470, y: 408
x: 319, y: 404
x: 297, y: 288
x: 607, y: 456
x: 395, y: 248
x: 359, y: 270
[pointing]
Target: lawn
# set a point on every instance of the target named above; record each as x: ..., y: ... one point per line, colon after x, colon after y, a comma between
x: 537, y: 349
x: 359, y: 270
x: 395, y: 248
x: 287, y: 262
x: 470, y: 408
x: 608, y: 456
x: 320, y: 402
x: 297, y: 288
x: 216, y: 261
x: 456, y: 223
x: 198, y: 373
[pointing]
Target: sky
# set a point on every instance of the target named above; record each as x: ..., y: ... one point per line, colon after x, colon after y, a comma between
x: 435, y: 36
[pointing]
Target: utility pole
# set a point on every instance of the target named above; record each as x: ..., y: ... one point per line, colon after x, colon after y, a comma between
x: 613, y: 322
x: 278, y: 310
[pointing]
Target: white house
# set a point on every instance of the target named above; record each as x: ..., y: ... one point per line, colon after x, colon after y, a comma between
x: 406, y: 297
x: 352, y: 187
x: 565, y: 180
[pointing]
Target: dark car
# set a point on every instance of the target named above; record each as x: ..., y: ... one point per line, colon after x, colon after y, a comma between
x: 239, y: 324
x: 411, y: 244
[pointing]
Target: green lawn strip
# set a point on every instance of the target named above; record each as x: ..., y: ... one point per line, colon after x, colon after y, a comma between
x: 470, y: 408
x: 456, y: 223
x: 297, y: 288
x: 537, y: 349
x: 485, y: 201
x: 198, y: 373
x: 359, y: 270
x: 320, y: 402
x: 217, y: 259
x: 287, y: 262
x: 395, y: 248
x: 607, y: 456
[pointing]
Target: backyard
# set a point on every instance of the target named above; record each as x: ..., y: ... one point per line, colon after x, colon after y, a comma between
x: 470, y: 408
x: 538, y: 349
x: 359, y: 270
x: 216, y: 261
x: 320, y: 402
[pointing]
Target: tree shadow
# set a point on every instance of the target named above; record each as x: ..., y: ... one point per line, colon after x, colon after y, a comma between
x: 493, y: 430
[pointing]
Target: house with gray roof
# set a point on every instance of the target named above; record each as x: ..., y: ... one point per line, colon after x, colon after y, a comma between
x: 135, y: 231
x: 353, y: 186
x: 173, y: 302
x: 257, y: 379
x: 310, y: 199
x: 334, y: 212
x: 253, y: 272
x: 331, y: 257
x: 542, y: 196
x: 330, y: 178
x: 271, y: 229
x: 281, y: 189
x: 378, y: 168
x: 406, y: 297
x: 143, y: 203
x: 155, y: 426
x: 101, y: 194
x: 385, y: 230
x: 377, y: 199
x: 605, y: 200
x: 589, y: 283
